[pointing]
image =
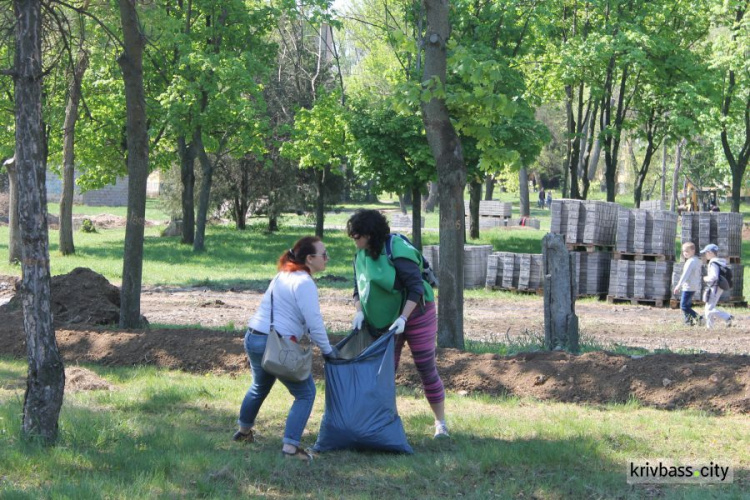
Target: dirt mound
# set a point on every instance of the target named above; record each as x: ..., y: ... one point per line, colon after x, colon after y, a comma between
x: 712, y: 382
x: 80, y: 297
x: 81, y: 379
x: 8, y: 286
x: 100, y: 221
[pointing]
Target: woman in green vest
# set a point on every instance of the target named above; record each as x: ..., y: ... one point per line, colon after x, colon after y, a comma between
x: 390, y: 294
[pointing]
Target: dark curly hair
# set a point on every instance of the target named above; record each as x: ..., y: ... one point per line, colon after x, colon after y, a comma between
x: 369, y: 223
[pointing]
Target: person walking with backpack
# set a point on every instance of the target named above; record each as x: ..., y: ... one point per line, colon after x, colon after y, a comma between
x: 391, y: 294
x: 713, y: 291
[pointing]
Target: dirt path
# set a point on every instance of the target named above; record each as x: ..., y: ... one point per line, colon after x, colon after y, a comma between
x: 486, y: 319
x: 716, y: 380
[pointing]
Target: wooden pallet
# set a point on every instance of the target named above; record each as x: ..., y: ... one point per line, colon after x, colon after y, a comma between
x: 642, y: 256
x: 597, y: 296
x: 537, y: 291
x: 587, y: 247
x: 611, y: 299
x: 732, y: 302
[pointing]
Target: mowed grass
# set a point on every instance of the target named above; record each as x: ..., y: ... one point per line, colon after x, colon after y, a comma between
x: 165, y: 434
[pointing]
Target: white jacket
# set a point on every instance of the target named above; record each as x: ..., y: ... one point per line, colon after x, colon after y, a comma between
x: 690, y: 281
x: 296, y: 309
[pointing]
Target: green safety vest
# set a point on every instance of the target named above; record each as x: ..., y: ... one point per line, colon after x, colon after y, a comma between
x: 381, y: 303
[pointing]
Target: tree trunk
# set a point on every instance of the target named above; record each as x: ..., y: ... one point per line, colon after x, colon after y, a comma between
x: 594, y: 159
x: 241, y: 203
x: 207, y: 169
x: 586, y: 151
x: 402, y: 203
x: 664, y: 172
x: 432, y: 197
x: 560, y: 320
x: 446, y: 148
x: 416, y: 219
x: 523, y: 179
x: 489, y: 188
x: 676, y: 174
x: 45, y: 382
x: 131, y: 64
x: 475, y: 196
x: 14, y: 230
x: 187, y: 176
x: 407, y: 201
x: 651, y: 146
x: 573, y: 143
x: 320, y: 203
x: 738, y: 163
x: 69, y: 127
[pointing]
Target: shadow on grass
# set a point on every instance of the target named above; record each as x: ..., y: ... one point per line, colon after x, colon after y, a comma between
x: 168, y: 441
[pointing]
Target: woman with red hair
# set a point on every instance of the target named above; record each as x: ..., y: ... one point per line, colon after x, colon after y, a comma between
x: 296, y: 312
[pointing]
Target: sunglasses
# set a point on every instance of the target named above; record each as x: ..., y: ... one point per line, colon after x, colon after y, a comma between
x: 324, y: 255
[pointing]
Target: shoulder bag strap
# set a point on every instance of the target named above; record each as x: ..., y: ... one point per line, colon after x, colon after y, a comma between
x: 273, y: 283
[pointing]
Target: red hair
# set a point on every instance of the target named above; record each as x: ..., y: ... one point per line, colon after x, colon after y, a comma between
x: 295, y: 259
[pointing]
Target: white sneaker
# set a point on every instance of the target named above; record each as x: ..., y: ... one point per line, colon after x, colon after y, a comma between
x: 441, y: 431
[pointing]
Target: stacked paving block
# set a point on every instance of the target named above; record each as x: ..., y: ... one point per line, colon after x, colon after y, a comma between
x: 592, y: 271
x: 721, y: 228
x: 492, y: 213
x: 475, y: 262
x: 647, y: 232
x: 475, y: 265
x: 622, y: 278
x: 514, y: 271
x: 733, y: 296
x: 583, y: 222
x: 590, y: 230
x: 642, y: 265
x: 725, y: 230
x: 401, y: 220
x: 654, y: 205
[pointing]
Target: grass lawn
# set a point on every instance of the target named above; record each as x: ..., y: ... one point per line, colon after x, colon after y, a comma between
x: 164, y: 434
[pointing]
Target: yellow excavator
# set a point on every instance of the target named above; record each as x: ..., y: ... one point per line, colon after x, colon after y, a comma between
x: 699, y: 199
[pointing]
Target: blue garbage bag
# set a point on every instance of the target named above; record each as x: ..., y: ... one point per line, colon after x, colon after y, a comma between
x: 360, y: 409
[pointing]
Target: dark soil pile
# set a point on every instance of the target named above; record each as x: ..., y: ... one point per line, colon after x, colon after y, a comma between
x: 79, y: 297
x: 713, y: 382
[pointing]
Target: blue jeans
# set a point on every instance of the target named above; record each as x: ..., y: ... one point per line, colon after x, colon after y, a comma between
x: 303, y: 392
x: 686, y: 304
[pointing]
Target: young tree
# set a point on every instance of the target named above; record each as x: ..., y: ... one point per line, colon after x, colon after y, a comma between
x: 318, y: 142
x: 46, y: 377
x: 392, y: 152
x: 67, y: 246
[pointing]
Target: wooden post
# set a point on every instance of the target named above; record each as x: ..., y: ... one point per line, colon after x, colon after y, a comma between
x: 560, y: 320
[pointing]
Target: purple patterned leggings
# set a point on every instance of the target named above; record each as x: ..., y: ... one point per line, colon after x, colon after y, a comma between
x: 421, y: 335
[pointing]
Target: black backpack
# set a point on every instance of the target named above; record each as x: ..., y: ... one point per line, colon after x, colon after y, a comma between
x: 428, y: 274
x: 725, y: 277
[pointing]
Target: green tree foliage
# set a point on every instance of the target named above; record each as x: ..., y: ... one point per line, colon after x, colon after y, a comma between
x: 318, y: 142
x: 391, y: 149
x: 731, y: 63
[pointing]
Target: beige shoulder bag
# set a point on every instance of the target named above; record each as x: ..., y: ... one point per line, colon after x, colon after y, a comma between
x: 284, y: 358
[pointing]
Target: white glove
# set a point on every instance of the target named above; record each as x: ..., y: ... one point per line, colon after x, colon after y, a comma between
x: 399, y: 325
x: 358, y: 320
